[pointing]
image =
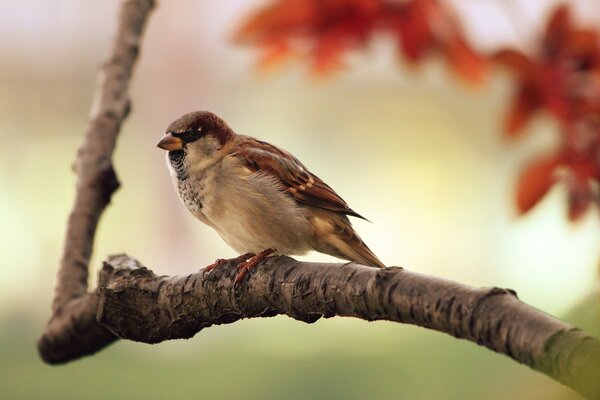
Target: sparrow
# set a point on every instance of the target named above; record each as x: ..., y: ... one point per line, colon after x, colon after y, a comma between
x: 258, y: 197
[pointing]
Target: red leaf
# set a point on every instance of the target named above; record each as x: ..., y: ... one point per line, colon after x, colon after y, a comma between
x: 584, y: 45
x: 551, y: 86
x: 580, y: 198
x: 535, y: 182
x: 414, y: 31
x: 561, y: 79
x: 328, y: 53
x: 464, y: 61
x: 524, y: 105
x: 323, y: 30
x: 558, y: 29
x: 514, y: 60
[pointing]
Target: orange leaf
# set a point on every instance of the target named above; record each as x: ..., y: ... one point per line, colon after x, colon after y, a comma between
x: 465, y: 61
x: 514, y: 60
x: 274, y: 55
x: 277, y: 20
x: 535, y: 182
x: 583, y: 44
x: 328, y: 54
x: 525, y: 103
x: 558, y: 30
x: 413, y: 29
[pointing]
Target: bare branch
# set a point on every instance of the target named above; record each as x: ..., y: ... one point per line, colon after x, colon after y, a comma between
x: 96, y: 179
x: 135, y: 304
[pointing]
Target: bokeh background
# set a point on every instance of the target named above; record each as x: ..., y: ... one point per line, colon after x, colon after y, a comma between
x: 414, y: 150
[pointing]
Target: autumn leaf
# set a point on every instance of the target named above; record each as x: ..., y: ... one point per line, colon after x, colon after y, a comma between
x: 524, y: 105
x: 535, y: 182
x: 563, y: 79
x: 411, y: 26
x: 324, y: 31
x: 579, y: 199
x: 464, y: 61
x: 553, y: 79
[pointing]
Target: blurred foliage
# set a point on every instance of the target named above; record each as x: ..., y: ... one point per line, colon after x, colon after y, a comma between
x: 562, y: 75
x: 324, y: 30
x: 563, y: 78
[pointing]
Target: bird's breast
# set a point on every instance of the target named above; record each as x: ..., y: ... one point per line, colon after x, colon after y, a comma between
x: 252, y: 213
x: 189, y: 187
x: 191, y: 195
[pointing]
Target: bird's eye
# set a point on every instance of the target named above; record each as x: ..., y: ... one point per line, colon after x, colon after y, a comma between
x: 189, y: 135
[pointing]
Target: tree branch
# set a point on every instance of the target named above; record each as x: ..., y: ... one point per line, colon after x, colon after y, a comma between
x: 96, y: 182
x: 133, y: 303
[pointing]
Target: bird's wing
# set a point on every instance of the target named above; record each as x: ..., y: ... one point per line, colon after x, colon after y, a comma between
x: 301, y: 184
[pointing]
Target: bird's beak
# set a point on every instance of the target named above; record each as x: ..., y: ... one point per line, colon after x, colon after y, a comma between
x: 170, y: 143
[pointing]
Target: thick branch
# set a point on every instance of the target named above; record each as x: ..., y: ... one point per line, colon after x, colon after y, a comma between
x: 135, y: 304
x: 96, y: 179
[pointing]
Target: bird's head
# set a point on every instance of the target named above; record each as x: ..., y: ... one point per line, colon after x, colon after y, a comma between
x: 199, y: 134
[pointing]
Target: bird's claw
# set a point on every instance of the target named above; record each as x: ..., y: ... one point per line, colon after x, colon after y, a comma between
x: 222, y: 261
x: 250, y: 263
x: 214, y: 265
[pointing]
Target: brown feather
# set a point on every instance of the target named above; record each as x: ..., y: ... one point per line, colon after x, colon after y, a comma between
x: 305, y: 187
x: 362, y: 253
x: 338, y: 238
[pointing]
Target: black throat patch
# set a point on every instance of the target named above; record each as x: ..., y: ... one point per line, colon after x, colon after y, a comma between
x: 176, y: 158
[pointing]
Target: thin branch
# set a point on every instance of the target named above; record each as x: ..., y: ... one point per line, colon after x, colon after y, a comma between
x: 96, y: 179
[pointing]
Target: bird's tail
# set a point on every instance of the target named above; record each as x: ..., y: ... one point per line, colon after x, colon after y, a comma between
x: 340, y: 240
x: 362, y: 253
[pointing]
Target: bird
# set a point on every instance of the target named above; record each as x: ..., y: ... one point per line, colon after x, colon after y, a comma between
x: 259, y: 198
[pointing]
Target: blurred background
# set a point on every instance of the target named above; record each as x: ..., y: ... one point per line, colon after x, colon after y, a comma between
x: 414, y: 150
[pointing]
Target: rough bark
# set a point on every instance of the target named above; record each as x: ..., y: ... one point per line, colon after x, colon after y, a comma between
x: 70, y: 323
x: 133, y: 303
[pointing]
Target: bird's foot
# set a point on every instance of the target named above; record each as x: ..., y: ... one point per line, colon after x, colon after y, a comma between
x: 250, y: 263
x: 222, y: 261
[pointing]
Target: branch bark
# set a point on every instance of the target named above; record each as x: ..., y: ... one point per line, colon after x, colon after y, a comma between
x: 96, y: 182
x: 133, y: 303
